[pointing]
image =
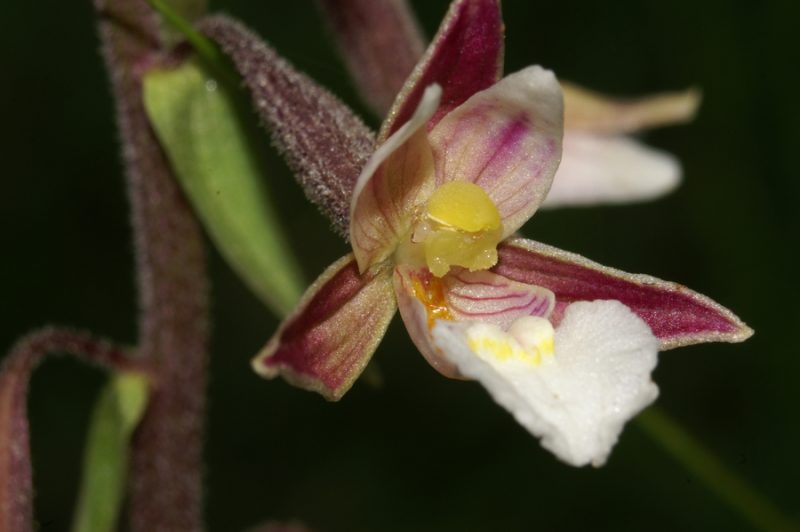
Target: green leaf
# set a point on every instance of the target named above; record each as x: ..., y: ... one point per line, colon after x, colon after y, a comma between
x: 116, y: 414
x: 206, y: 140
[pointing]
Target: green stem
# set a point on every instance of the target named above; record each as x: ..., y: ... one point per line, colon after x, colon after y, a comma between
x: 702, y: 463
x: 202, y: 45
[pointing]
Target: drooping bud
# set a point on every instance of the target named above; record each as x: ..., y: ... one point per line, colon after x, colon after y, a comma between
x: 325, y: 144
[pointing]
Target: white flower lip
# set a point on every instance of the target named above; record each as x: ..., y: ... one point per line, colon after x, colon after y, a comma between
x: 578, y: 402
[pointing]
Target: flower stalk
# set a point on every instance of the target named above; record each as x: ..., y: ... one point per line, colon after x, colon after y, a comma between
x: 166, y: 458
x: 165, y: 480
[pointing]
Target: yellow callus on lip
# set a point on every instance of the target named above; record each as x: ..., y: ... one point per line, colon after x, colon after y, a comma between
x: 530, y: 340
x: 463, y: 228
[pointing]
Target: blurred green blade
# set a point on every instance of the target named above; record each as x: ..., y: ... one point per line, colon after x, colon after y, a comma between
x: 116, y: 414
x: 207, y: 143
x: 189, y: 9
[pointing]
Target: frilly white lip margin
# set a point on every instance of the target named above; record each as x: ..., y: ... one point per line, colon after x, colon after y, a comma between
x: 579, y: 400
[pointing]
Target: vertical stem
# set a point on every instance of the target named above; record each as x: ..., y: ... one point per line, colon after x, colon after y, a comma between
x: 166, y: 468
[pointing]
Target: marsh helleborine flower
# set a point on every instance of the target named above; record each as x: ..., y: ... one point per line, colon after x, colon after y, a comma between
x: 464, y: 160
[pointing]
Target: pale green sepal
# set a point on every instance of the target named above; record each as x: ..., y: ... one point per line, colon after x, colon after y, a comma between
x: 197, y: 122
x: 105, y: 464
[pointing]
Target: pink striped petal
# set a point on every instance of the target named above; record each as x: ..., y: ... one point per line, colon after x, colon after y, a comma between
x: 398, y: 176
x: 326, y: 343
x: 490, y: 298
x: 677, y: 315
x: 465, y: 57
x: 586, y: 110
x: 483, y: 296
x: 507, y: 140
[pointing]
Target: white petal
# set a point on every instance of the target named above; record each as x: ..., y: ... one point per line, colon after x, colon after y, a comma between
x: 597, y: 169
x: 578, y: 400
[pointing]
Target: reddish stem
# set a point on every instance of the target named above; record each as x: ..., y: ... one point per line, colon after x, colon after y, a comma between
x: 16, y: 491
x: 166, y: 469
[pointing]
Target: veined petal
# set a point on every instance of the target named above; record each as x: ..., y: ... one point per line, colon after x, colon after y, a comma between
x: 397, y: 177
x: 507, y: 140
x: 576, y: 398
x: 326, y: 343
x: 602, y: 169
x: 677, y: 316
x: 490, y: 298
x: 586, y: 110
x: 462, y: 295
x: 466, y: 56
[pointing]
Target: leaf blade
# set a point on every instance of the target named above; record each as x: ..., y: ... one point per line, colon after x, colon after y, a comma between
x: 116, y: 414
x: 197, y: 122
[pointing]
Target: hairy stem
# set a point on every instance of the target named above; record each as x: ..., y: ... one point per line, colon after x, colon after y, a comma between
x: 16, y: 490
x: 166, y: 469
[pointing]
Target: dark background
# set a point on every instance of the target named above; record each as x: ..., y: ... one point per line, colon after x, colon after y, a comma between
x: 421, y: 452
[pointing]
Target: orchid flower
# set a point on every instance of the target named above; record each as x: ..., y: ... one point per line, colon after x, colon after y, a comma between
x: 463, y: 161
